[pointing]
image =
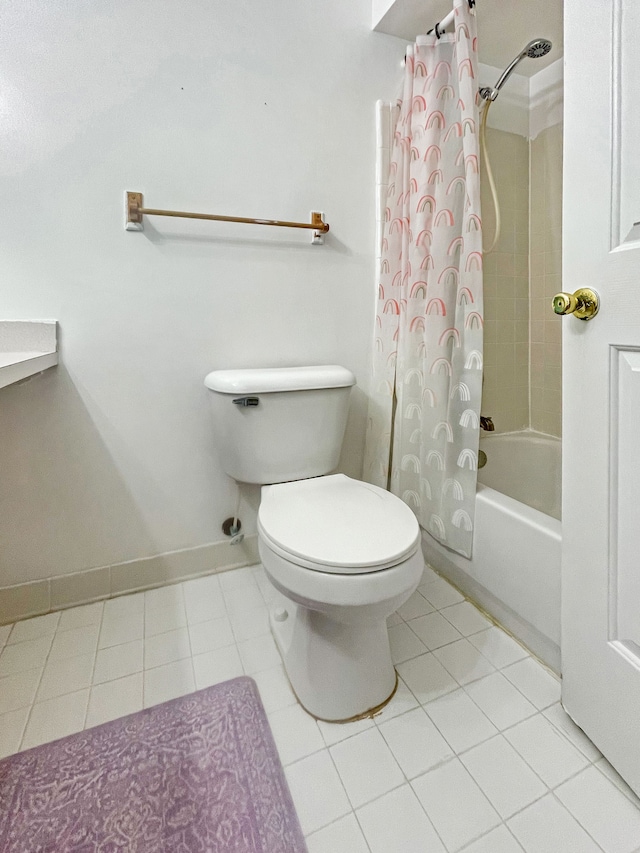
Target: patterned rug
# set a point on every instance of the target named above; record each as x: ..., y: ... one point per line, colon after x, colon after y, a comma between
x: 199, y: 774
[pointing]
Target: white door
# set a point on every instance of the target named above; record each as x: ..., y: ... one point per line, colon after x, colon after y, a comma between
x: 601, y: 380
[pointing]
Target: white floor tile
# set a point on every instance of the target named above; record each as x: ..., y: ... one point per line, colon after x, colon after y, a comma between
x: 19, y: 690
x: 65, y: 676
x: 56, y: 718
x: 504, y: 777
x: 466, y: 618
x: 500, y: 700
x: 296, y: 733
x: 75, y: 641
x: 604, y: 767
x: 214, y: 667
x: 165, y: 648
x: 317, y: 792
x: 80, y: 617
x: 5, y: 630
x: 335, y: 732
x: 203, y: 599
x: 499, y: 840
x: 604, y: 811
x: 394, y: 619
x: 259, y: 653
x: 460, y: 720
x: 162, y: 619
x: 376, y: 756
x: 455, y: 805
x: 168, y: 682
x: 254, y: 622
x: 244, y: 578
x: 538, y: 685
x: 115, y: 699
x: 240, y: 600
x: 164, y: 596
x: 343, y: 835
x: 123, y: 607
x: 21, y: 657
x: 546, y: 750
x: 403, y: 700
x: 274, y: 687
x: 396, y: 823
x: 498, y: 647
x: 464, y: 662
x: 117, y: 630
x: 561, y: 720
x: 31, y: 629
x: 440, y: 593
x: 426, y: 678
x: 118, y: 661
x: 404, y: 643
x: 366, y: 766
x: 434, y: 630
x: 546, y: 827
x: 416, y: 605
x: 415, y: 742
x: 12, y: 725
x: 211, y: 635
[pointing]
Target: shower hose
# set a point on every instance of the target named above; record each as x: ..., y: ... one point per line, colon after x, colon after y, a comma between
x: 492, y: 183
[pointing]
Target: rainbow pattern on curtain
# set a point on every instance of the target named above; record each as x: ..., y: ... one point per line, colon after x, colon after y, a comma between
x: 423, y: 424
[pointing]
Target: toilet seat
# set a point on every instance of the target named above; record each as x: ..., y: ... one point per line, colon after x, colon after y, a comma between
x: 336, y: 524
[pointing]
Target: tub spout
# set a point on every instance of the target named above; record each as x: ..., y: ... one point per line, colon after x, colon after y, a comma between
x: 486, y: 424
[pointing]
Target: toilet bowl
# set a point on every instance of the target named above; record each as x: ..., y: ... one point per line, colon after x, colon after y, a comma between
x: 346, y: 555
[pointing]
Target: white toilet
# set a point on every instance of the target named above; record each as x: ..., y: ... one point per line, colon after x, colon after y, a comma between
x: 345, y: 554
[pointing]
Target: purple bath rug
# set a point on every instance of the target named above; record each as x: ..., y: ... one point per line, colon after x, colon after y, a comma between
x: 199, y: 774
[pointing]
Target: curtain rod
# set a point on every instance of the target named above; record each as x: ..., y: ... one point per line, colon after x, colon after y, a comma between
x: 448, y: 19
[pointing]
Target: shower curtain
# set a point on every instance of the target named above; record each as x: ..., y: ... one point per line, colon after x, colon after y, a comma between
x: 423, y: 424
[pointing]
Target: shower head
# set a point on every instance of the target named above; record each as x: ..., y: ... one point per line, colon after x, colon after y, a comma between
x: 534, y: 50
x: 537, y: 48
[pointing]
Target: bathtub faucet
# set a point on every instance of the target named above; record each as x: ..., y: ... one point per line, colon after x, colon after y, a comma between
x: 486, y: 424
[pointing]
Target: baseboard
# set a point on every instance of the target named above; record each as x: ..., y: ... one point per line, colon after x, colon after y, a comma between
x: 58, y: 593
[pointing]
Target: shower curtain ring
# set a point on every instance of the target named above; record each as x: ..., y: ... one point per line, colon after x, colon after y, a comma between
x: 438, y: 33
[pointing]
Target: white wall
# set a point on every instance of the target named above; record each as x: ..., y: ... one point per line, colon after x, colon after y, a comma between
x: 254, y: 109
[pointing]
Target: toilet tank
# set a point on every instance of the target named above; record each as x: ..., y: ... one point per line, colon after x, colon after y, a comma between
x: 272, y: 425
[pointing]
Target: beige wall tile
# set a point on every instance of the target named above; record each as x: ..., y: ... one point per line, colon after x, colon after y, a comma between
x: 546, y: 269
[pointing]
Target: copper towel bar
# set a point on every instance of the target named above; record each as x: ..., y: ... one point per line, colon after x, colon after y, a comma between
x: 134, y: 211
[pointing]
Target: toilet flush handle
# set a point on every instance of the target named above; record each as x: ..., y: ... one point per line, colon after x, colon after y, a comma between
x: 246, y: 401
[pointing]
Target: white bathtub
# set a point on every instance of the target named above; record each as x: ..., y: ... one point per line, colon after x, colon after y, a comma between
x: 514, y: 572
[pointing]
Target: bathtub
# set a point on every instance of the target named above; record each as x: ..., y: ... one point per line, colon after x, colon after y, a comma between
x: 514, y: 571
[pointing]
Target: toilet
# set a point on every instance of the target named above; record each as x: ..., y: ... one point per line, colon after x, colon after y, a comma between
x: 344, y: 554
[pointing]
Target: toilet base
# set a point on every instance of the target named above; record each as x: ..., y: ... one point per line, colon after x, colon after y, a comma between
x: 339, y: 672
x: 365, y: 714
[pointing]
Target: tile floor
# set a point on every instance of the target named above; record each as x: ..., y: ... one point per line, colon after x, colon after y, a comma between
x: 473, y: 754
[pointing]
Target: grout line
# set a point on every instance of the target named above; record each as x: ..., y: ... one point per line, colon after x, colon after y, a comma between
x: 571, y: 814
x: 35, y: 695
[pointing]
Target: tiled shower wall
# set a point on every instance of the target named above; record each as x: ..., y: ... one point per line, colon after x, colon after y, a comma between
x: 506, y: 283
x: 523, y: 359
x: 546, y: 280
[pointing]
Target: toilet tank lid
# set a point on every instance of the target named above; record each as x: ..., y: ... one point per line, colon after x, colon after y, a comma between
x: 263, y: 380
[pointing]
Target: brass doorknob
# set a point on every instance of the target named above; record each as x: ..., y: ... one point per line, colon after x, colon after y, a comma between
x: 583, y: 304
